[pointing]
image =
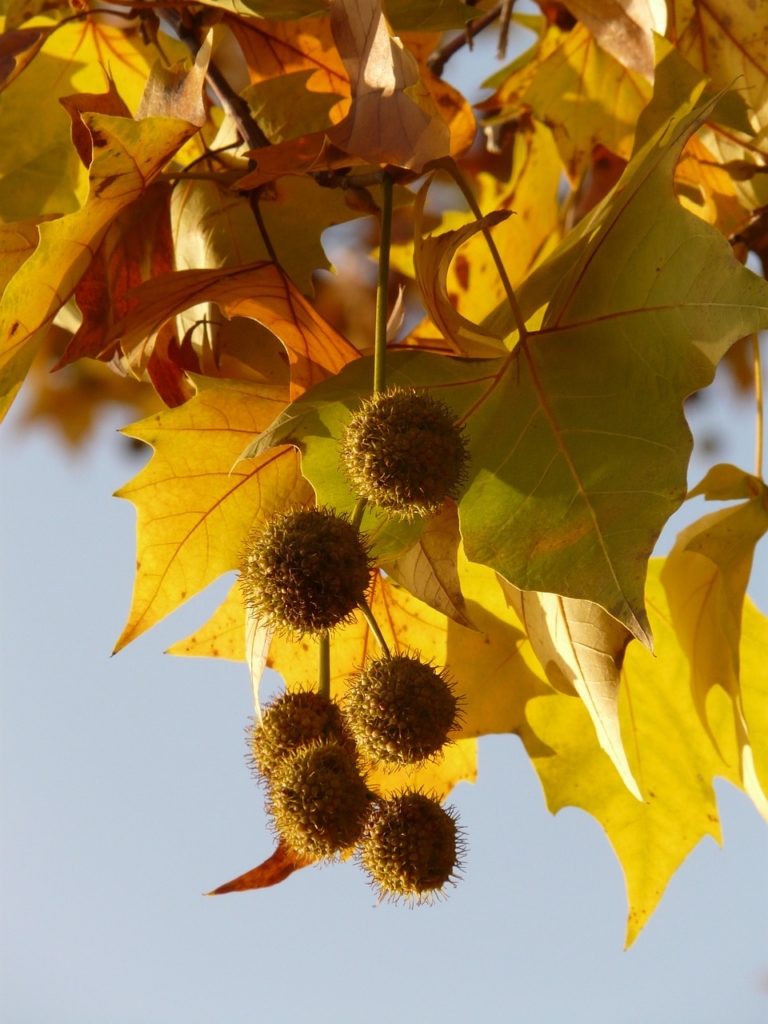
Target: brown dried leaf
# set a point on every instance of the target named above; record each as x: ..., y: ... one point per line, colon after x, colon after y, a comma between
x: 392, y: 118
x: 429, y: 569
x: 178, y: 91
x: 624, y: 28
x: 275, y: 869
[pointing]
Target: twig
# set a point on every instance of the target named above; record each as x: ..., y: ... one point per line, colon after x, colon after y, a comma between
x: 324, y: 669
x: 369, y: 618
x: 759, y: 403
x: 231, y: 103
x: 440, y: 58
x: 253, y: 199
x: 505, y: 18
x: 382, y: 288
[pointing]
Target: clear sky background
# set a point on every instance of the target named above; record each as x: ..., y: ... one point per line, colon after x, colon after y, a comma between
x: 126, y: 795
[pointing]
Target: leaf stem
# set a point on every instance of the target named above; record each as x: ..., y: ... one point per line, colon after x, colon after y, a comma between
x: 324, y: 669
x: 760, y: 426
x: 357, y: 515
x: 440, y: 58
x: 369, y: 618
x: 382, y: 287
x: 449, y: 164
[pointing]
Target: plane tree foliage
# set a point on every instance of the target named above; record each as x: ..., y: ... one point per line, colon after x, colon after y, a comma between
x: 561, y: 265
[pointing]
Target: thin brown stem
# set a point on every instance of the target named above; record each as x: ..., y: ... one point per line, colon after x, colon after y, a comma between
x: 440, y: 58
x: 231, y: 103
x: 256, y: 209
x: 504, y: 19
x: 760, y: 427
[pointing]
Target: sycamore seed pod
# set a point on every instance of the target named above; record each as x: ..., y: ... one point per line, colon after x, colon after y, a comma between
x: 412, y: 848
x: 291, y: 721
x: 319, y: 800
x: 404, y: 451
x: 400, y: 710
x: 305, y: 571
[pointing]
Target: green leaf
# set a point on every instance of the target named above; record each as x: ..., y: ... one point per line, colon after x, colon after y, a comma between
x: 428, y: 15
x: 578, y: 442
x: 285, y: 108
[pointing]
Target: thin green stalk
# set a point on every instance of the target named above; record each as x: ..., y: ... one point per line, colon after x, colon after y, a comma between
x: 759, y: 402
x: 382, y: 288
x: 357, y: 515
x: 451, y: 167
x: 324, y: 671
x: 369, y: 618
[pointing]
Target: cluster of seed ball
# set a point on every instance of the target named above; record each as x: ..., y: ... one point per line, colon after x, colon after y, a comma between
x: 305, y: 571
x: 303, y: 749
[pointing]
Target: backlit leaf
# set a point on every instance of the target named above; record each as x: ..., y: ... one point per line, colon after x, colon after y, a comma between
x: 578, y: 442
x: 40, y: 171
x: 624, y: 28
x: 705, y: 577
x: 429, y: 571
x: 195, y: 507
x: 668, y: 751
x: 581, y: 649
x: 260, y: 291
x: 129, y: 155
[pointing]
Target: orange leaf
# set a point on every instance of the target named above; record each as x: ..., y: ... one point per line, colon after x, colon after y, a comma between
x: 275, y: 869
x: 260, y: 291
x: 137, y: 247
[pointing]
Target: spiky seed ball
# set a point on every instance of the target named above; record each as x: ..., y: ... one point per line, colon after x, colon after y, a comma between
x: 290, y: 721
x: 319, y: 800
x: 404, y: 451
x: 412, y: 848
x: 305, y: 571
x: 400, y: 710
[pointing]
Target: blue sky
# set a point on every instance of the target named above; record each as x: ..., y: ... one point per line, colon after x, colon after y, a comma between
x: 125, y: 796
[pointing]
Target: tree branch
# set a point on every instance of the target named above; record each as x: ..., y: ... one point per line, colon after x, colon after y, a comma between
x: 231, y: 103
x: 440, y: 58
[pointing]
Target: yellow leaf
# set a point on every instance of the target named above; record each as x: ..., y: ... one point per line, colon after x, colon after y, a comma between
x: 428, y: 570
x: 215, y: 228
x: 727, y: 40
x: 523, y: 240
x: 17, y: 243
x: 260, y: 291
x: 706, y: 577
x: 587, y: 98
x: 223, y: 636
x: 581, y: 649
x: 41, y: 172
x: 128, y: 156
x: 195, y: 507
x: 668, y: 750
x: 276, y: 48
